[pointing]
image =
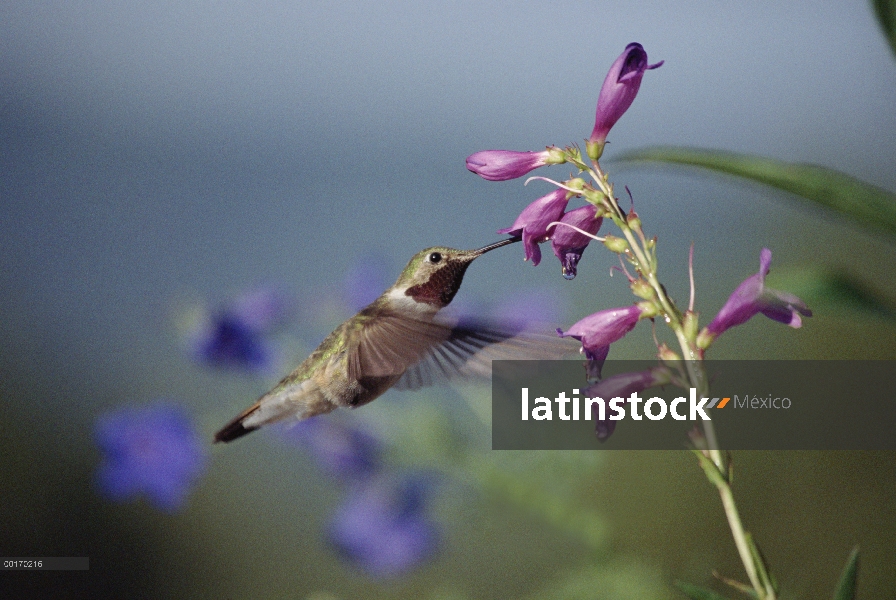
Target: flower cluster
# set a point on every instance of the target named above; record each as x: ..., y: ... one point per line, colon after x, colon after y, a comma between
x: 153, y: 450
x: 537, y: 221
x: 571, y: 231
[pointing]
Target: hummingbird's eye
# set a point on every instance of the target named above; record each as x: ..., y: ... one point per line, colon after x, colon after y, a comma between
x: 435, y: 257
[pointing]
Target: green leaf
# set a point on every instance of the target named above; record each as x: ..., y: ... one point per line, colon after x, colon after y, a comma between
x: 695, y: 592
x: 829, y: 290
x: 885, y: 10
x: 867, y: 204
x: 846, y: 587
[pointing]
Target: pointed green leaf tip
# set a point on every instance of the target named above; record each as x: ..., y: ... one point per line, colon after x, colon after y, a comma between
x: 867, y: 204
x: 885, y: 10
x: 846, y: 587
x: 829, y: 290
x: 695, y: 592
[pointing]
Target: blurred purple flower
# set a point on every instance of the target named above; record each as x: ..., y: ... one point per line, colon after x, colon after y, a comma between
x: 236, y: 336
x: 532, y: 224
x: 622, y: 386
x: 501, y: 165
x: 567, y: 243
x: 752, y: 297
x: 597, y: 331
x: 525, y: 308
x: 341, y: 450
x: 365, y: 280
x: 152, y: 450
x: 618, y: 92
x: 382, y: 528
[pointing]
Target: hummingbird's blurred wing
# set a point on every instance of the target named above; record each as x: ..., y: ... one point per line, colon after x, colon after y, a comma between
x: 469, y: 349
x: 390, y: 344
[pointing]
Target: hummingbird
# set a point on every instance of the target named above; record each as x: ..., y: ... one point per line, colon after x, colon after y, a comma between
x: 399, y: 340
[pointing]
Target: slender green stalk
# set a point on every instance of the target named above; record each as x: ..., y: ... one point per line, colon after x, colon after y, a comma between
x: 642, y: 254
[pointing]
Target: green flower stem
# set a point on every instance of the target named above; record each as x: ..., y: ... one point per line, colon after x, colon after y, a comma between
x: 717, y: 470
x: 763, y: 587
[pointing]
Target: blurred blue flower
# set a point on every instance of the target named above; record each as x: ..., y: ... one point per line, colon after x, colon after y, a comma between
x: 237, y: 335
x: 382, y: 527
x: 366, y: 278
x: 152, y: 450
x: 340, y: 449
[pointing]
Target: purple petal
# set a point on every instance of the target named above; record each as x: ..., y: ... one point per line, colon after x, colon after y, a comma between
x: 533, y: 222
x: 567, y: 243
x: 752, y: 297
x: 619, y: 90
x: 501, y: 165
x: 603, y: 328
x: 622, y: 386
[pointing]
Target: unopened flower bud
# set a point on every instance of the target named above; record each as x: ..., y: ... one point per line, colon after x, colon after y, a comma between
x: 576, y: 183
x: 690, y: 324
x: 501, y: 165
x: 667, y: 355
x: 617, y: 94
x: 615, y: 244
x: 642, y: 289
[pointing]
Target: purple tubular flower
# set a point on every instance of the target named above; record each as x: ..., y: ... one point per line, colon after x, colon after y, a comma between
x: 621, y: 386
x: 619, y: 90
x: 599, y: 330
x: 153, y: 450
x: 567, y: 243
x: 382, y: 528
x: 501, y: 165
x: 752, y: 297
x: 532, y: 224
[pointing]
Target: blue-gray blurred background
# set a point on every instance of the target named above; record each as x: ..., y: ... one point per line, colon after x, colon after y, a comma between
x: 157, y: 157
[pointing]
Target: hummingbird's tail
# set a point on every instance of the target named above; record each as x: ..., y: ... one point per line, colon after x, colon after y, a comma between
x: 235, y: 429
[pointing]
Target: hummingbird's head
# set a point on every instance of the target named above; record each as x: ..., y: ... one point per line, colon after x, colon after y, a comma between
x: 434, y: 275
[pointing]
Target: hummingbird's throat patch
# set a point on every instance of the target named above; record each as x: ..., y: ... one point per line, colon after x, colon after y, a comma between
x: 442, y: 285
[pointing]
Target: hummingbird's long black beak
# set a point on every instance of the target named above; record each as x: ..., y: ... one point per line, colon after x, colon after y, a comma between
x: 490, y: 247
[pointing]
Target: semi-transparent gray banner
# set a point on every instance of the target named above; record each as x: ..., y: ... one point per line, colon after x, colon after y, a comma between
x: 753, y: 405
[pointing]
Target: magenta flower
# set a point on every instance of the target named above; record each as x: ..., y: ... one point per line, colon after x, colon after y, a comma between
x: 532, y: 224
x: 501, y: 165
x: 567, y: 243
x: 153, y: 450
x: 752, y: 297
x: 622, y: 386
x: 599, y: 330
x: 618, y: 92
